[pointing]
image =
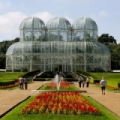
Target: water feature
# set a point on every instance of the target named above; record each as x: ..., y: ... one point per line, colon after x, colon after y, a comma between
x: 57, y: 80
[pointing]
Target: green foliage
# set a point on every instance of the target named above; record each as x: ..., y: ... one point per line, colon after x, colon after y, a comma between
x: 112, y: 78
x: 106, y: 39
x: 47, y: 79
x: 84, y: 74
x: 31, y: 73
x: 3, y: 48
x: 2, y: 60
x: 9, y: 76
x: 8, y: 82
x: 12, y: 77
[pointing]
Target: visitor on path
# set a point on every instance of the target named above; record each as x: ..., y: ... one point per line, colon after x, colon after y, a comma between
x: 103, y: 84
x: 87, y: 81
x: 83, y: 82
x: 26, y: 82
x: 57, y: 80
x: 80, y: 81
x: 21, y: 82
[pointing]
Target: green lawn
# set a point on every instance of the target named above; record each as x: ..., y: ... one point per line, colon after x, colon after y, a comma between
x: 9, y: 76
x: 15, y: 114
x: 112, y: 78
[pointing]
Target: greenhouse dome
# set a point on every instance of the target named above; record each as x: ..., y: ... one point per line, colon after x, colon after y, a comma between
x: 58, y: 29
x: 58, y: 46
x: 85, y: 29
x: 32, y: 29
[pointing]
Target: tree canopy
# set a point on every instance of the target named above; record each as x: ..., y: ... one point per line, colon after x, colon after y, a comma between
x: 107, y: 39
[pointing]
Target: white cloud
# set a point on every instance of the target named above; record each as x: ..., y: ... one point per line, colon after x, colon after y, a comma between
x: 9, y: 25
x: 10, y: 22
x: 45, y: 16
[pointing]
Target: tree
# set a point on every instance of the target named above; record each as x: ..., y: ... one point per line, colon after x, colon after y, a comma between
x: 4, y: 45
x: 106, y: 39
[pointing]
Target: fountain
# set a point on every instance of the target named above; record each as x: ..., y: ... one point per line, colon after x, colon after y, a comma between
x: 57, y: 80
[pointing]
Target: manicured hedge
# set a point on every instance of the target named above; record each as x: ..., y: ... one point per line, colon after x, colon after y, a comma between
x: 31, y: 73
x: 96, y: 81
x: 86, y: 74
x: 8, y: 83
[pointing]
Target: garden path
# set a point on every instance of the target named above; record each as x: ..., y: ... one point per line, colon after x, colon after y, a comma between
x: 110, y: 100
x: 8, y: 99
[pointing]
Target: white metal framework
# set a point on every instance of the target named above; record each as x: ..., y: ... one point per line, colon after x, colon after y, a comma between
x: 58, y: 46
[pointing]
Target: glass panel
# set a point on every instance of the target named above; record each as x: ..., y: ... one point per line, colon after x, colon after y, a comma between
x: 73, y: 48
x: 79, y: 36
x: 37, y: 36
x: 27, y: 48
x: 89, y: 48
x: 28, y: 36
x: 89, y: 35
x: 36, y: 48
x: 36, y: 60
x: 95, y: 35
x: 26, y: 60
x: 9, y: 61
x: 61, y: 47
x: 63, y: 36
x: 53, y: 36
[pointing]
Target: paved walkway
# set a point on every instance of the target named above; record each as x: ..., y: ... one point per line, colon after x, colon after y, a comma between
x: 8, y: 99
x: 110, y: 100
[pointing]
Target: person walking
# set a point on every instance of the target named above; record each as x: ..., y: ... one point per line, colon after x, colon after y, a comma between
x: 26, y: 82
x: 83, y: 83
x: 103, y: 84
x: 87, y: 81
x: 21, y: 82
x: 79, y: 81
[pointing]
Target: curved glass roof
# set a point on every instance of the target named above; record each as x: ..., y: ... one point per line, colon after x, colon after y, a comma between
x: 85, y: 23
x: 58, y: 23
x: 32, y: 23
x: 54, y: 47
x: 105, y: 48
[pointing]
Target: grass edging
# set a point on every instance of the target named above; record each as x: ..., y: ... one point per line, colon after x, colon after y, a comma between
x: 104, y: 110
x: 2, y: 115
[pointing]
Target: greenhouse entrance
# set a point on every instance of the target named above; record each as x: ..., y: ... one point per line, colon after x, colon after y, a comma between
x: 57, y: 68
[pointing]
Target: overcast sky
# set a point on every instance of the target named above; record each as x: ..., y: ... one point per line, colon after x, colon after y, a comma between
x: 106, y: 13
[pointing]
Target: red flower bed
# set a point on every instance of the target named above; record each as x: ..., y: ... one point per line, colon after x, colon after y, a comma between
x: 60, y: 103
x: 12, y: 85
x: 9, y: 86
x: 63, y: 84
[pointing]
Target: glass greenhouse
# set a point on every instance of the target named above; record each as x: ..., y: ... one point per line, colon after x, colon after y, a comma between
x: 58, y: 46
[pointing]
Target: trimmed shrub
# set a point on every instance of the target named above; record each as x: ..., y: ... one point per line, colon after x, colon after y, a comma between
x: 96, y: 81
x: 8, y: 82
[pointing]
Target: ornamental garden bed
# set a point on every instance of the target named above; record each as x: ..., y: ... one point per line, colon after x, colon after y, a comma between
x: 59, y: 105
x: 63, y: 86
